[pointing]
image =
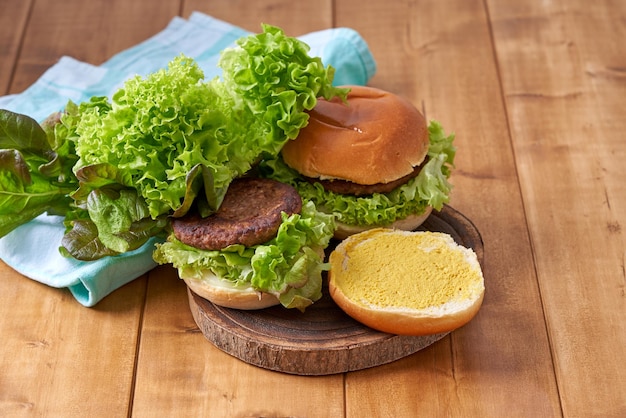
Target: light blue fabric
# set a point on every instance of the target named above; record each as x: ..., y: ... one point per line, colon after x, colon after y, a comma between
x: 32, y: 249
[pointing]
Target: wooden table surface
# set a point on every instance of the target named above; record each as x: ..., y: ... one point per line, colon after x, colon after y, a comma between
x: 535, y: 91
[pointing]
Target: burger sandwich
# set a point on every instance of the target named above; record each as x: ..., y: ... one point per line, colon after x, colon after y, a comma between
x: 262, y: 247
x: 370, y: 160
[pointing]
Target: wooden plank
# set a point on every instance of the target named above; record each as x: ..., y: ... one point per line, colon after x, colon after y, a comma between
x: 500, y: 363
x: 60, y: 358
x: 295, y: 18
x: 180, y: 373
x: 564, y: 80
x: 561, y: 65
x: 88, y: 31
x: 175, y: 358
x: 13, y: 20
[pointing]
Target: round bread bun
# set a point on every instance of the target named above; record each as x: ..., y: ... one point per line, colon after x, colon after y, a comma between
x: 223, y: 293
x: 377, y: 137
x: 408, y: 283
x: 409, y: 223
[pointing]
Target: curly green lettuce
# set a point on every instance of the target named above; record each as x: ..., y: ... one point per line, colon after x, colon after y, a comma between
x: 160, y: 129
x: 430, y: 188
x: 289, y: 266
x: 160, y: 145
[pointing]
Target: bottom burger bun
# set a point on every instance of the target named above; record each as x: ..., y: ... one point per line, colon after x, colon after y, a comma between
x: 409, y: 223
x: 408, y: 283
x: 223, y: 293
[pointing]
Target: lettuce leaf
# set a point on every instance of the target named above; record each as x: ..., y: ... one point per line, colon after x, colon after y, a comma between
x: 35, y: 172
x: 289, y: 266
x: 117, y: 167
x: 429, y: 188
x: 277, y: 79
x: 156, y: 130
x: 178, y: 140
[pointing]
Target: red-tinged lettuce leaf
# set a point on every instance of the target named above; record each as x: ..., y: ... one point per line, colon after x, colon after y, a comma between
x: 118, y: 222
x: 122, y: 218
x: 82, y: 242
x: 11, y: 161
x: 22, y: 133
x: 30, y: 173
x: 96, y: 176
x: 200, y: 178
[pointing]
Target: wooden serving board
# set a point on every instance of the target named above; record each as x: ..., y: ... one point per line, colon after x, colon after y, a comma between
x: 322, y: 340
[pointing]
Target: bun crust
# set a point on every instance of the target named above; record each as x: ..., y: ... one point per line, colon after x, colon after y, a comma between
x: 377, y: 137
x: 409, y: 283
x: 405, y: 323
x: 409, y: 223
x: 222, y: 293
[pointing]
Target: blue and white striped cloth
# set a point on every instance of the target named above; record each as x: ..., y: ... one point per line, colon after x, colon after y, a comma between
x: 32, y: 249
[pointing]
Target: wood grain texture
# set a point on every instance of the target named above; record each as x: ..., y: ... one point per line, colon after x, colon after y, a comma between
x: 200, y: 380
x: 323, y: 339
x: 443, y: 60
x: 88, y: 31
x: 564, y: 81
x: 294, y: 17
x: 13, y: 22
x: 61, y: 359
x: 535, y: 92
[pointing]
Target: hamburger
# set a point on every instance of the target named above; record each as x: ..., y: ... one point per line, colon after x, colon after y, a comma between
x: 370, y: 160
x: 261, y: 248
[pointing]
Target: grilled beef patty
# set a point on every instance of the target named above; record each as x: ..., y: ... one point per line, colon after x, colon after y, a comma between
x: 249, y: 215
x: 348, y: 187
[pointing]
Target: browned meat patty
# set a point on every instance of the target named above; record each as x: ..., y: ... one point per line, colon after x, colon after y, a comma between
x: 348, y: 187
x: 249, y: 215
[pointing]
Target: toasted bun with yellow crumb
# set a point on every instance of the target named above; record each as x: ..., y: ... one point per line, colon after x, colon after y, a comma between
x: 408, y: 283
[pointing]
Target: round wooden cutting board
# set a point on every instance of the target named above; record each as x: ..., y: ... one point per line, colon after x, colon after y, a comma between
x: 322, y: 340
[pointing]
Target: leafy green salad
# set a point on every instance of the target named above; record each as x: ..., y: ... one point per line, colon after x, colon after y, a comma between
x: 118, y: 168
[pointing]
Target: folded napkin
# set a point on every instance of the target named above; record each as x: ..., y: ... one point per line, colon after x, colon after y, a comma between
x: 32, y: 249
